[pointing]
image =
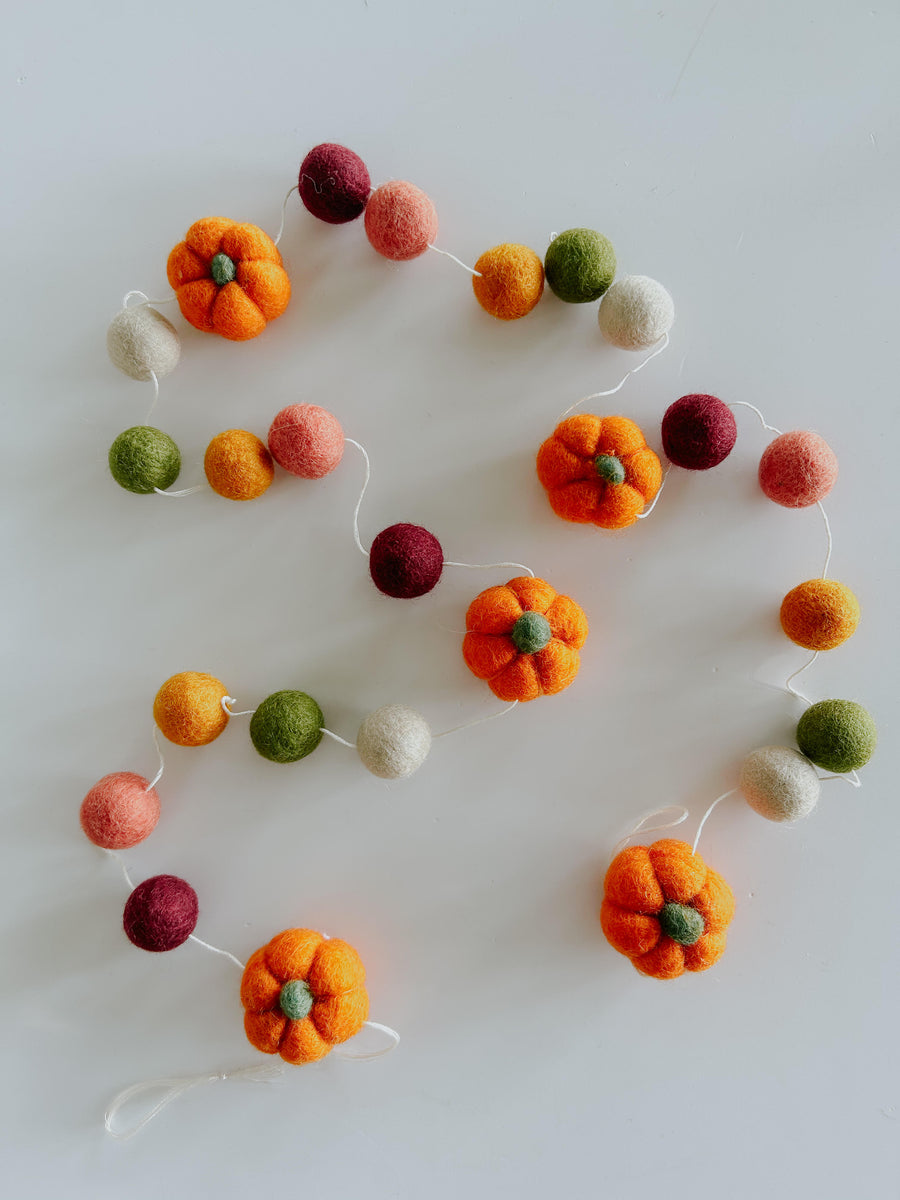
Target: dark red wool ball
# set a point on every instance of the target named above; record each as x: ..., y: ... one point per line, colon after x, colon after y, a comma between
x: 160, y: 913
x: 406, y: 561
x: 698, y: 432
x: 334, y: 183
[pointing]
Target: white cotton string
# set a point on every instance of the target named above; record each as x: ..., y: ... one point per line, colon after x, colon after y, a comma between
x: 280, y: 233
x: 793, y: 691
x: 343, y: 741
x: 215, y: 949
x: 145, y: 299
x: 172, y: 1087
x: 447, y: 254
x: 184, y: 491
x: 708, y: 813
x: 155, y: 397
x: 121, y: 861
x: 162, y: 764
x: 612, y: 391
x: 640, y: 826
x: 647, y: 513
x: 245, y: 712
x: 478, y: 721
x: 828, y: 535
x: 753, y: 408
x: 855, y: 782
x: 489, y: 566
x: 363, y: 1055
x: 362, y: 494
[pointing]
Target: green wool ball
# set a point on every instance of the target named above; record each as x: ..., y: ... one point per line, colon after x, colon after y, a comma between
x: 681, y: 923
x: 287, y: 726
x: 837, y: 735
x: 144, y: 458
x: 580, y: 265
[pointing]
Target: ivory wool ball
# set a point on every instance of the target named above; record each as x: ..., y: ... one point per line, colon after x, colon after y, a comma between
x: 819, y: 614
x: 161, y: 913
x: 188, y: 709
x: 837, y: 735
x: 140, y: 340
x: 510, y: 281
x: 306, y: 440
x: 238, y: 466
x: 334, y: 183
x: 287, y: 726
x: 393, y: 741
x: 401, y: 221
x: 798, y: 469
x: 636, y: 312
x: 779, y: 783
x: 119, y: 811
x: 580, y: 264
x: 142, y: 459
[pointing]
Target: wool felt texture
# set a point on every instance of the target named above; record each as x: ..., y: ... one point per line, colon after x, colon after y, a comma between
x: 635, y: 312
x: 642, y: 885
x: 306, y: 440
x: 393, y: 741
x: 256, y: 292
x: 143, y: 458
x: 405, y: 561
x: 401, y: 221
x: 698, y: 432
x: 188, y: 709
x: 334, y: 976
x: 161, y: 913
x: 237, y: 464
x: 798, y: 469
x: 119, y: 811
x: 837, y: 735
x: 580, y: 264
x: 779, y: 783
x: 490, y: 646
x: 334, y: 183
x: 819, y: 614
x: 510, y: 281
x: 140, y: 340
x: 572, y: 465
x: 287, y: 726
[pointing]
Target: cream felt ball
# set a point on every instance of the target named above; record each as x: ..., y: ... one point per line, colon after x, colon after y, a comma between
x: 636, y: 312
x: 119, y: 811
x: 798, y: 469
x: 401, y: 221
x: 393, y: 741
x: 140, y: 340
x: 306, y: 440
x: 779, y: 783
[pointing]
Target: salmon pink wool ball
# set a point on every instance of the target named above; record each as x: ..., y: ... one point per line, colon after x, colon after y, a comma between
x: 798, y: 469
x: 401, y: 221
x: 306, y: 440
x: 119, y: 811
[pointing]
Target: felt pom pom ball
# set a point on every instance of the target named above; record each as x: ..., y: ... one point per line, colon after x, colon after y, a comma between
x: 405, y: 561
x: 143, y: 458
x: 510, y: 281
x: 119, y: 811
x: 188, y: 709
x: 798, y: 469
x: 819, y: 614
x: 334, y: 183
x: 237, y: 464
x: 636, y: 312
x: 287, y: 726
x: 580, y: 264
x: 779, y: 783
x: 161, y: 913
x: 140, y: 340
x: 306, y: 440
x: 393, y: 741
x: 401, y: 221
x: 698, y: 432
x: 837, y: 735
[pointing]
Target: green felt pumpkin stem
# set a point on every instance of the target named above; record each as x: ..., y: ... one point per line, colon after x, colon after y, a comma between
x: 682, y: 923
x: 610, y: 469
x: 531, y: 633
x: 295, y: 999
x: 222, y: 269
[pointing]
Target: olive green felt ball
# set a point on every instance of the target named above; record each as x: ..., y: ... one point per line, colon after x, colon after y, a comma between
x: 837, y: 735
x: 580, y: 265
x: 287, y: 726
x: 144, y: 458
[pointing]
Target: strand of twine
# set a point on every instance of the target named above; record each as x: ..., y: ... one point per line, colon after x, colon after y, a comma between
x: 648, y: 511
x: 612, y: 391
x: 155, y: 398
x: 489, y: 566
x: 245, y: 712
x: 459, y: 261
x: 144, y: 299
x: 191, y: 491
x: 280, y: 234
x: 362, y: 494
x: 162, y: 763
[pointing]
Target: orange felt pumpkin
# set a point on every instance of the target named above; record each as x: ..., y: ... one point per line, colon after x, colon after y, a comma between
x: 665, y: 909
x: 598, y: 471
x: 524, y: 639
x: 228, y: 278
x: 302, y: 994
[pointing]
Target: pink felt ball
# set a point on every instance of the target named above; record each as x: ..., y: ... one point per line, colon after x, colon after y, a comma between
x: 798, y: 469
x: 119, y: 811
x: 306, y: 440
x: 401, y: 221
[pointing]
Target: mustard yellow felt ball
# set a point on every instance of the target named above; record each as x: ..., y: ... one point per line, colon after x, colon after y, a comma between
x: 819, y: 614
x: 510, y: 281
x: 188, y: 709
x: 238, y: 466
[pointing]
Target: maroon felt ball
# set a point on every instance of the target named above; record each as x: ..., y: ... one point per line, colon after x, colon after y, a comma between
x: 406, y: 561
x: 698, y: 432
x: 160, y: 913
x: 334, y: 183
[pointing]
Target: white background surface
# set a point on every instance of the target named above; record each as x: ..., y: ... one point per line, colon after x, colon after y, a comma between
x: 746, y: 155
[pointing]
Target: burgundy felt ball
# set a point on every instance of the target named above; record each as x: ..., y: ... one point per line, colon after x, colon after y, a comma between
x: 406, y: 561
x: 334, y: 183
x: 698, y: 432
x: 160, y: 913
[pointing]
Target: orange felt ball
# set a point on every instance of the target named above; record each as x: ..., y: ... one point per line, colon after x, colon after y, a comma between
x: 238, y: 466
x: 119, y: 811
x: 510, y: 281
x: 188, y: 709
x: 401, y: 221
x: 819, y: 614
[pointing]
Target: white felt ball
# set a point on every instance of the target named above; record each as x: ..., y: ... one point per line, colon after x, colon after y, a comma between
x: 636, y: 312
x: 781, y: 784
x: 393, y: 741
x: 140, y: 340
